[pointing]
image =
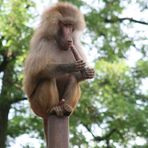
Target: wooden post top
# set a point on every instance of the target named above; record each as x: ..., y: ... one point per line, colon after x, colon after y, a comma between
x: 58, y: 132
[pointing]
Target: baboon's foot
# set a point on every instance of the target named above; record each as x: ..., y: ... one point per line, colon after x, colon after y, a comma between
x: 67, y: 109
x: 56, y: 110
x: 61, y: 110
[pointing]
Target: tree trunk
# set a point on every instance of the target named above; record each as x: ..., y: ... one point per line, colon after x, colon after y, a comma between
x: 4, y: 110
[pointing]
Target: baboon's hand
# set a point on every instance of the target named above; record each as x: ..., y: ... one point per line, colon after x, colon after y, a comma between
x: 88, y: 73
x: 79, y: 65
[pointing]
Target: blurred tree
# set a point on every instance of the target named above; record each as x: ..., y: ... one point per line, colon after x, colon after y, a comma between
x: 113, y: 109
x: 14, y: 38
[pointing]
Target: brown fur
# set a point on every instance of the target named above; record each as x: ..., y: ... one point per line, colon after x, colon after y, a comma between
x: 41, y: 85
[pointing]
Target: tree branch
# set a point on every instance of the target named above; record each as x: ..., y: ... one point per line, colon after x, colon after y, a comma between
x: 124, y: 19
x: 16, y: 100
x: 7, y: 56
x: 4, y: 63
x: 105, y: 137
x: 133, y: 20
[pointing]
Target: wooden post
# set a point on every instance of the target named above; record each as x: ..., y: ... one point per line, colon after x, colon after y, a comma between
x: 58, y: 132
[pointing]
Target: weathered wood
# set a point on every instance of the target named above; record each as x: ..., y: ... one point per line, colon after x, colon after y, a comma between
x: 58, y: 132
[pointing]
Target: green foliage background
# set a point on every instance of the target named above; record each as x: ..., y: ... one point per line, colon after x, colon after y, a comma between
x: 113, y: 108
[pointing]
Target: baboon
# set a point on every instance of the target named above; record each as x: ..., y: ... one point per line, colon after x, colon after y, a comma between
x: 56, y: 63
